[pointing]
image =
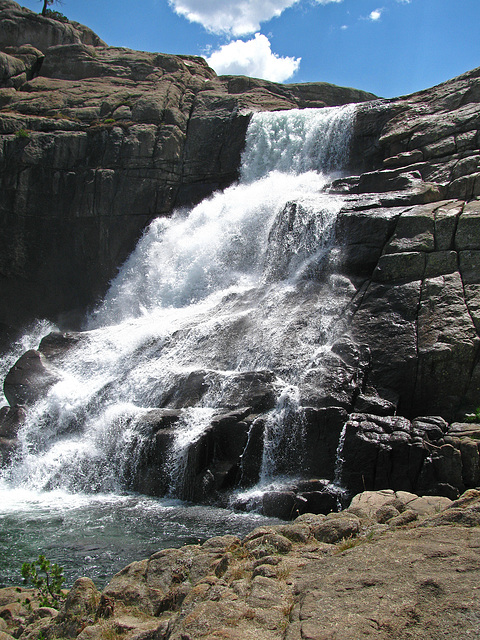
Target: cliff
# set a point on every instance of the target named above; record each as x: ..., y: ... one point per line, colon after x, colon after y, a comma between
x: 95, y: 142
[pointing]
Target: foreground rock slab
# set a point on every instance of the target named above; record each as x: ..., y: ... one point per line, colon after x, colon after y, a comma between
x: 380, y: 577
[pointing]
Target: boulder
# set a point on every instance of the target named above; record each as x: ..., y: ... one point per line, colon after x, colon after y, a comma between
x: 11, y: 419
x: 336, y: 527
x: 29, y: 379
x: 381, y: 505
x: 279, y: 504
x: 79, y: 608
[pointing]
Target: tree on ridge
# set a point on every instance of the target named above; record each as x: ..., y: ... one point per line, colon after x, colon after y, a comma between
x: 47, y: 3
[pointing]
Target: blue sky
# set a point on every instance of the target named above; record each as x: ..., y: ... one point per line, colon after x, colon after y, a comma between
x: 388, y: 47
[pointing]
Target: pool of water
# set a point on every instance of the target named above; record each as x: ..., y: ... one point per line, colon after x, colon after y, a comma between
x: 97, y: 535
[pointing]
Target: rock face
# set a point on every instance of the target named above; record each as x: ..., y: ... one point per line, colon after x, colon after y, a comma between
x: 20, y: 26
x: 95, y: 142
x: 391, y: 566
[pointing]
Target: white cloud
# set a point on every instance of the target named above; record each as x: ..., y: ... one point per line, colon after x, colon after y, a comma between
x: 253, y: 58
x: 375, y: 15
x: 236, y: 17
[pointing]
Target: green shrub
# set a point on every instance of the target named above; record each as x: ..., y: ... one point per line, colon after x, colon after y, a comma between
x: 47, y: 578
x: 22, y: 133
x: 55, y: 15
x: 473, y: 417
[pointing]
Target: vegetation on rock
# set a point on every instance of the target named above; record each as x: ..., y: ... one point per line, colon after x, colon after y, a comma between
x: 46, y: 11
x: 47, y: 577
x: 473, y: 417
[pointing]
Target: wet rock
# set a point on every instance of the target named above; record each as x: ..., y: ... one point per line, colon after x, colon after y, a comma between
x: 166, y: 131
x: 11, y: 419
x: 319, y: 501
x: 337, y: 378
x: 322, y: 428
x: 158, y: 428
x: 253, y: 453
x: 57, y: 344
x: 403, y: 263
x: 254, y: 389
x: 230, y: 434
x: 8, y: 449
x: 279, y: 504
x: 29, y: 379
x: 374, y: 403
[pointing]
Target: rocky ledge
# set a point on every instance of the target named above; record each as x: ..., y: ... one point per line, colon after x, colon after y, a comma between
x: 392, y: 566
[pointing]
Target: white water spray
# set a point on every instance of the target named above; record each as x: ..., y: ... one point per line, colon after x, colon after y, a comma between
x: 220, y: 290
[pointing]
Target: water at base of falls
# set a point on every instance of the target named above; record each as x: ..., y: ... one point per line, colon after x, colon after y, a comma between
x: 97, y: 535
x: 229, y: 287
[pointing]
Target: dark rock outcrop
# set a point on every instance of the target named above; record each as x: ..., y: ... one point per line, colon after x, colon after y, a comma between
x: 28, y: 380
x: 11, y: 419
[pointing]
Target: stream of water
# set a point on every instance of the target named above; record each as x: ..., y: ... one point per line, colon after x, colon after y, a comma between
x: 222, y: 288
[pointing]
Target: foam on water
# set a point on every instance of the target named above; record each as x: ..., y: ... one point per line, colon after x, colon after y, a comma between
x: 207, y: 289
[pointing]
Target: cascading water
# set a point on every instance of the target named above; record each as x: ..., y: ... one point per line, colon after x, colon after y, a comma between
x: 217, y: 291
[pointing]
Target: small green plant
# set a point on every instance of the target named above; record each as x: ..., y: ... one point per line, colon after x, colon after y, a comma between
x: 473, y: 417
x: 56, y: 15
x: 109, y: 121
x: 283, y: 572
x: 348, y: 543
x: 22, y: 133
x: 354, y: 541
x: 47, y: 577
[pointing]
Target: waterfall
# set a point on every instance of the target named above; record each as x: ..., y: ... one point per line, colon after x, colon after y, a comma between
x: 283, y: 437
x: 207, y: 294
